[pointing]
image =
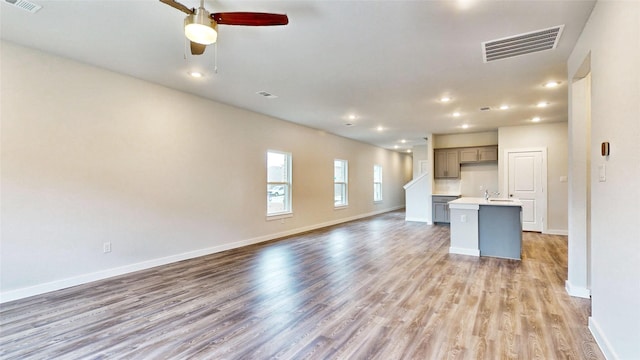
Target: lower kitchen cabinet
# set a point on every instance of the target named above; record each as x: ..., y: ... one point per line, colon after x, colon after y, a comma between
x: 440, y: 212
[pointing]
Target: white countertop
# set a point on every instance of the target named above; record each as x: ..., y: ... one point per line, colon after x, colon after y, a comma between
x: 482, y: 201
x: 447, y: 194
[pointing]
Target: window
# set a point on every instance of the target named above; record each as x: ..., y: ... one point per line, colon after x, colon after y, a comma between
x: 278, y: 183
x: 340, y: 176
x: 377, y: 183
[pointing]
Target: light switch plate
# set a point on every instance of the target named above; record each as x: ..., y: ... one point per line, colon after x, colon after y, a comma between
x: 602, y: 173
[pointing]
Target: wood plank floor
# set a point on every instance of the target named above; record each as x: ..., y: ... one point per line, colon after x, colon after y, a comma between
x: 378, y: 288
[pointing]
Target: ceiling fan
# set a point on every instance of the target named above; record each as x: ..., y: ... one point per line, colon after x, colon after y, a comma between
x: 201, y: 26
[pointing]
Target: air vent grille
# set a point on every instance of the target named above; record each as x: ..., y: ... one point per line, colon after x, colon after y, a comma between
x: 522, y: 44
x: 24, y: 5
x: 267, y: 94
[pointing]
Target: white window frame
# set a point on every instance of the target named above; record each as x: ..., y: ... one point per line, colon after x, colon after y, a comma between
x: 288, y: 198
x: 377, y: 182
x: 344, y: 184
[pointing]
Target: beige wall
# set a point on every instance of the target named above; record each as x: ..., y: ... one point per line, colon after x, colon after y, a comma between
x: 611, y: 38
x: 90, y: 156
x: 474, y: 178
x: 465, y: 139
x: 421, y: 153
x: 553, y: 137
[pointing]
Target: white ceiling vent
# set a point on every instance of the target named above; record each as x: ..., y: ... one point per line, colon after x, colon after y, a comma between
x: 522, y: 44
x: 267, y: 94
x: 24, y: 5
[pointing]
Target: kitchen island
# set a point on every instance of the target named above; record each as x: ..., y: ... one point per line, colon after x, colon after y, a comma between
x: 481, y: 227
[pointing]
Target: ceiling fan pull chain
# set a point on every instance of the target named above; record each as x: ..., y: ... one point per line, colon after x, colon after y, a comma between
x: 184, y: 53
x: 215, y: 57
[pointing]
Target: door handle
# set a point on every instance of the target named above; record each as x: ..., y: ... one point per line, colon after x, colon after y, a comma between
x: 510, y: 195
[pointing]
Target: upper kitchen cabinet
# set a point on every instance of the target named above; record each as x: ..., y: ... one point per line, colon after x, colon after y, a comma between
x: 446, y: 164
x: 478, y: 154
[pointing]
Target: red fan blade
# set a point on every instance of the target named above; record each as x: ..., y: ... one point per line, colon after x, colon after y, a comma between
x: 250, y: 19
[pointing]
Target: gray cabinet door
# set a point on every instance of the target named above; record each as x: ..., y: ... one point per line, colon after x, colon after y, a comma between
x: 478, y: 154
x: 440, y: 212
x: 441, y: 208
x: 453, y: 164
x: 468, y: 155
x: 446, y: 164
x: 489, y: 153
x: 440, y: 164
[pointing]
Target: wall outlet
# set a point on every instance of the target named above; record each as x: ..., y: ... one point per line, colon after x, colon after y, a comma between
x: 463, y: 218
x: 106, y: 247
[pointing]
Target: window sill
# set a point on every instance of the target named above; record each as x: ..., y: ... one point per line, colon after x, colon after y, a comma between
x: 378, y: 201
x: 340, y: 207
x: 279, y: 216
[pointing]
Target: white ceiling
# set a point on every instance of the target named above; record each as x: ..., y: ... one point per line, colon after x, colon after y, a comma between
x: 386, y: 62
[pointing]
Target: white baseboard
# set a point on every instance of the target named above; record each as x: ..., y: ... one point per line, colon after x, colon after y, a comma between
x: 557, y: 232
x: 108, y: 273
x: 577, y: 291
x: 464, y: 251
x: 105, y: 274
x: 601, y: 340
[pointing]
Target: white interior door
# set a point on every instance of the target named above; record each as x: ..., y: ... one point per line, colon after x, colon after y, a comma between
x: 526, y: 181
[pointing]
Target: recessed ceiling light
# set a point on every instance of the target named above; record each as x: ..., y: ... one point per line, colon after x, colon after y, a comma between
x: 465, y: 126
x: 352, y: 117
x: 456, y: 114
x: 379, y: 128
x: 409, y: 150
x: 465, y: 4
x: 395, y: 146
x: 504, y: 107
x: 551, y: 84
x: 542, y: 104
x: 445, y: 99
x: 403, y: 141
x: 536, y: 119
x: 196, y: 74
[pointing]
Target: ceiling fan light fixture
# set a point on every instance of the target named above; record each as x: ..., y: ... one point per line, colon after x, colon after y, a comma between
x: 199, y: 28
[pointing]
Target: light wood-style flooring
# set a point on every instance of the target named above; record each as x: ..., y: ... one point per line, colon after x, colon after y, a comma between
x: 378, y: 288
